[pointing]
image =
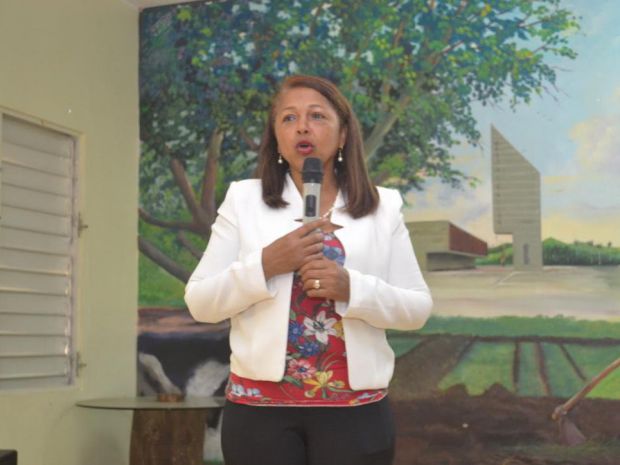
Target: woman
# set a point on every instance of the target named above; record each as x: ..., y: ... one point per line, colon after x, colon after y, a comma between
x: 309, y: 304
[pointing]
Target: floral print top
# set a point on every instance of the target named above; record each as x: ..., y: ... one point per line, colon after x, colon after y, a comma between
x: 316, y: 361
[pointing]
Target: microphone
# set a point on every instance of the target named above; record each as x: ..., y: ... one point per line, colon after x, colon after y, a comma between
x: 312, y: 176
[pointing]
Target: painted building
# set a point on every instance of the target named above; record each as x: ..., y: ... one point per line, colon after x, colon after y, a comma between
x: 516, y: 202
x: 440, y: 245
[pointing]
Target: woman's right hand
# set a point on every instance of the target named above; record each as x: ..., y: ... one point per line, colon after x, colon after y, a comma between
x: 291, y: 251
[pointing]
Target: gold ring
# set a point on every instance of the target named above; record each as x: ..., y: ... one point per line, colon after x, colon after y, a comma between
x: 317, y: 284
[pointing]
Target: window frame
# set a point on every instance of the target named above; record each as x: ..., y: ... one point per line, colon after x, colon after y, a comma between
x: 72, y: 356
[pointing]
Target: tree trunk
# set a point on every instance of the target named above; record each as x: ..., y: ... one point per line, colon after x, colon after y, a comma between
x: 185, y: 242
x: 199, y: 215
x: 209, y: 177
x: 383, y: 126
x: 161, y: 259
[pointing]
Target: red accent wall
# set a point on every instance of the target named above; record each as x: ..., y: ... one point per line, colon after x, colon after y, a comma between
x: 460, y: 241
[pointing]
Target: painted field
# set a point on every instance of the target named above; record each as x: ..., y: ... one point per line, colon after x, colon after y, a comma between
x: 532, y: 357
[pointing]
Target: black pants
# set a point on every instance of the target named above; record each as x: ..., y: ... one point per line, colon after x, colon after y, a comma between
x: 362, y: 435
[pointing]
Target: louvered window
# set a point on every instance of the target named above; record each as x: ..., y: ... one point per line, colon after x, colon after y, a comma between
x: 37, y: 255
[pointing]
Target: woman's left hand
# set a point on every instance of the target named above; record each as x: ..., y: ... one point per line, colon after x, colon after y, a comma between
x: 325, y: 278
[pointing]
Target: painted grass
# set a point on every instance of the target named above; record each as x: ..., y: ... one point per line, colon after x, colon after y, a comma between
x: 484, y: 365
x: 521, y: 326
x: 592, y: 360
x: 480, y: 369
x: 157, y: 287
x: 609, y: 388
x: 563, y: 380
x: 530, y: 384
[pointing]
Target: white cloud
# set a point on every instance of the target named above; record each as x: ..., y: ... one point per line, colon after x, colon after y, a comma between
x: 468, y: 208
x: 598, y: 145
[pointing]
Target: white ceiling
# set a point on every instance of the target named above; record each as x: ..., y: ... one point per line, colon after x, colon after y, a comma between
x: 141, y: 4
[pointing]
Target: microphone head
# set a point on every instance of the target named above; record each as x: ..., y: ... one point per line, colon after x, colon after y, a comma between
x: 312, y: 170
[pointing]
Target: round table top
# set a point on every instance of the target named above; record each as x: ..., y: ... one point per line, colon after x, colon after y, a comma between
x: 151, y: 403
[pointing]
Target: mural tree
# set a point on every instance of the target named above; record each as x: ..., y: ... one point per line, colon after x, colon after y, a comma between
x: 412, y: 70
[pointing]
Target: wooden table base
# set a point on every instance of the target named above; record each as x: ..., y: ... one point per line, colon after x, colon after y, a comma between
x: 167, y: 437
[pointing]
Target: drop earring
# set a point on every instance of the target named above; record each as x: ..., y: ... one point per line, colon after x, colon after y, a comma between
x: 280, y: 160
x: 340, y: 155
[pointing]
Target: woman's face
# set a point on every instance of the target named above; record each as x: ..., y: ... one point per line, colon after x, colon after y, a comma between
x: 307, y: 125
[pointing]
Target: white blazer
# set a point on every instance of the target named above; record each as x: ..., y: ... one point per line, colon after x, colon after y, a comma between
x: 387, y: 289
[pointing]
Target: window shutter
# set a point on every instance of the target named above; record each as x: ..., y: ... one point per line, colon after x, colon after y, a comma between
x: 37, y: 235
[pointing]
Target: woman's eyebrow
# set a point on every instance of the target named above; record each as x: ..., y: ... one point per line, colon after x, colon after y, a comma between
x: 294, y: 108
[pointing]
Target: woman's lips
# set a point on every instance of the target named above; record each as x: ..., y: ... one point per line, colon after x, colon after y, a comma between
x: 304, y: 148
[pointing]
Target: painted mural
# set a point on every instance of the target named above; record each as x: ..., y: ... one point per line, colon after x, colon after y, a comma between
x: 498, y: 120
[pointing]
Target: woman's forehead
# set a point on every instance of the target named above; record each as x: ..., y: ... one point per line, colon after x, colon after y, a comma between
x: 297, y: 97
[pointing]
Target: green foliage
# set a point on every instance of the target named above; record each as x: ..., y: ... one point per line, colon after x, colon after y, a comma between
x: 556, y: 252
x: 167, y: 241
x: 215, y: 65
x: 412, y: 73
x: 579, y: 253
x: 499, y: 255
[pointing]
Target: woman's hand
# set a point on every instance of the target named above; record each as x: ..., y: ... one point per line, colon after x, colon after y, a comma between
x: 332, y: 279
x: 290, y: 252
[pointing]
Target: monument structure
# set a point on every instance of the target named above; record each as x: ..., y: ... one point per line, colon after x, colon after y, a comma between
x: 516, y: 202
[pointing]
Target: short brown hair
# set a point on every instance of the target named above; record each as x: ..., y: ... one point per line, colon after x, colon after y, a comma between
x: 360, y: 193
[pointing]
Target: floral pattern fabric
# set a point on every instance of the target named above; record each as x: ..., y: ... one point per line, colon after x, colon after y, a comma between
x: 316, y: 362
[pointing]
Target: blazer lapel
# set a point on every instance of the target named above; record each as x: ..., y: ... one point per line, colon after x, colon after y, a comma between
x: 294, y: 209
x: 340, y: 217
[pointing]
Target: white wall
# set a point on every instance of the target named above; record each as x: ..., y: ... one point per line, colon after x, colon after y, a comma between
x: 74, y: 63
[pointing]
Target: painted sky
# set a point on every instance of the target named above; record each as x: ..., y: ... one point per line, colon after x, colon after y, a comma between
x: 571, y: 136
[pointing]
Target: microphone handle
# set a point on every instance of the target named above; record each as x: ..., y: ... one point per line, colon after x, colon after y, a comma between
x: 312, y: 201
